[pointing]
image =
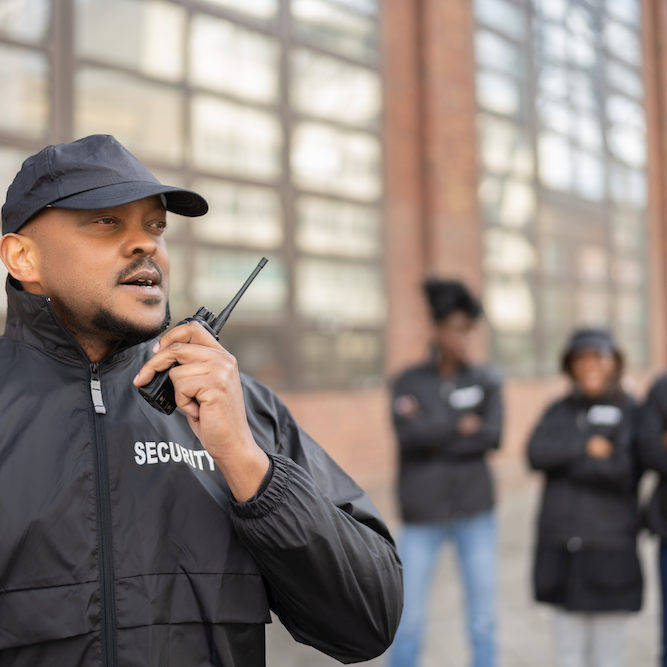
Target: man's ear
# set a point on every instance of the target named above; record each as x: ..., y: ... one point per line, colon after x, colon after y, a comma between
x: 19, y: 254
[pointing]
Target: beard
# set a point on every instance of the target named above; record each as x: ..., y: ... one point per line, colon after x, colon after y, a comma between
x: 124, y: 333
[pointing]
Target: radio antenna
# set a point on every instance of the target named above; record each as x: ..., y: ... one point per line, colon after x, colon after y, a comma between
x: 220, y: 320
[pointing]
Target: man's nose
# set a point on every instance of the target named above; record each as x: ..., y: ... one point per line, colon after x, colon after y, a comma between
x: 139, y: 241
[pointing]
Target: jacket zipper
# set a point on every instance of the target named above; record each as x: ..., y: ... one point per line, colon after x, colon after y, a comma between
x: 104, y: 525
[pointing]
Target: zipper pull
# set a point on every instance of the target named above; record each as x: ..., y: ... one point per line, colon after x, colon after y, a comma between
x: 96, y: 390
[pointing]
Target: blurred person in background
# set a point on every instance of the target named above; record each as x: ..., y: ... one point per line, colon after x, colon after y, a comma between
x: 586, y: 563
x: 652, y: 442
x: 447, y: 414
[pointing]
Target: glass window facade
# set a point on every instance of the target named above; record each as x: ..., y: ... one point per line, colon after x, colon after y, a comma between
x: 562, y: 143
x: 272, y: 110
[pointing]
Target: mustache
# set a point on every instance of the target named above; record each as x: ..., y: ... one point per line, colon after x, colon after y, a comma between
x: 137, y: 265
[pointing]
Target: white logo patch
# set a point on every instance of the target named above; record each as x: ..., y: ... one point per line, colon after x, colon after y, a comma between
x: 149, y: 453
x: 466, y: 397
x: 604, y: 415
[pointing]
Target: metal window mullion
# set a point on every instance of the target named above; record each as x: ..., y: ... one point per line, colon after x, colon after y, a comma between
x: 63, y: 70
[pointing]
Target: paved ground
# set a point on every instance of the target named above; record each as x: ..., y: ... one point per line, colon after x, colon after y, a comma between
x: 525, y: 628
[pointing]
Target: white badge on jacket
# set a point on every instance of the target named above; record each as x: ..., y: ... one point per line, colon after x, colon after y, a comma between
x: 466, y: 397
x: 604, y: 415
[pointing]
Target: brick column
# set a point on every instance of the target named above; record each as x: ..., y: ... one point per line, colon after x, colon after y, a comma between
x: 654, y: 26
x: 450, y: 173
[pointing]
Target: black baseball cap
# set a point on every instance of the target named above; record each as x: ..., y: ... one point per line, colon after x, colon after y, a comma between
x: 86, y: 174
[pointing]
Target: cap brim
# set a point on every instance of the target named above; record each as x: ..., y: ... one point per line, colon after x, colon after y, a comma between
x: 180, y: 201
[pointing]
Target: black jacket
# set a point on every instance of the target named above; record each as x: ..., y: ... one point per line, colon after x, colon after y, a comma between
x: 443, y: 475
x: 586, y: 555
x: 121, y: 546
x: 652, y: 443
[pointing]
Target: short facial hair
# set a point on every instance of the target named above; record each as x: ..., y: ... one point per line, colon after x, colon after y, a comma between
x: 126, y: 333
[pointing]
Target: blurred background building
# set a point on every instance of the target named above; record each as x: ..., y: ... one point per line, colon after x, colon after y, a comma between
x: 362, y: 144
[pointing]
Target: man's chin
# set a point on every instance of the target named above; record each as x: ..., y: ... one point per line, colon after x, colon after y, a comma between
x: 128, y: 332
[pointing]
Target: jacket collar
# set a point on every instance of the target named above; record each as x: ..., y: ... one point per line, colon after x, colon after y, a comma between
x: 31, y: 320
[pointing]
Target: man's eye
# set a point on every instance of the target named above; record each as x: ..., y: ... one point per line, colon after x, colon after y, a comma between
x: 160, y: 224
x: 105, y: 221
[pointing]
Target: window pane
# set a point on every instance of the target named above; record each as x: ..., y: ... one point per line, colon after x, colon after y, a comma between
x: 146, y: 36
x: 494, y: 51
x: 629, y: 272
x: 26, y: 20
x: 556, y: 310
x: 24, y: 81
x: 233, y: 138
x: 258, y: 349
x: 592, y: 263
x: 335, y: 27
x: 555, y: 161
x: 509, y: 305
x: 329, y: 227
x: 628, y: 186
x: 505, y: 147
x: 263, y: 9
x: 10, y: 163
x: 626, y: 10
x: 502, y: 15
x: 507, y: 201
x: 508, y: 253
x: 239, y: 214
x: 627, y: 229
x: 331, y: 160
x: 499, y: 93
x: 219, y: 274
x: 622, y: 42
x: 109, y: 102
x: 330, y: 88
x: 552, y: 82
x: 516, y: 352
x: 337, y: 357
x: 626, y: 79
x: 589, y: 177
x: 339, y: 294
x: 556, y: 259
x: 252, y: 70
x: 622, y: 110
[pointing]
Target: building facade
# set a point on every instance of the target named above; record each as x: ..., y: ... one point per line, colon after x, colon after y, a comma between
x: 362, y: 145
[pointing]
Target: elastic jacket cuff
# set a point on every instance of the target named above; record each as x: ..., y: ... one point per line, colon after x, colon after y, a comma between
x: 270, y: 493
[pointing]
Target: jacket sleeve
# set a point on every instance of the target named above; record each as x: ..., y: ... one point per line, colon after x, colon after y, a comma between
x: 619, y: 471
x: 652, y: 425
x: 488, y: 437
x: 556, y: 441
x: 330, y: 565
x: 423, y: 433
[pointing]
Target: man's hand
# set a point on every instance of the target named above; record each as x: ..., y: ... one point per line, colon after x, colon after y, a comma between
x: 207, y: 388
x: 598, y: 447
x: 469, y: 424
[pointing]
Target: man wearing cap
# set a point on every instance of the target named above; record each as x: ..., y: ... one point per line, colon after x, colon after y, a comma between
x: 131, y: 537
x: 447, y: 413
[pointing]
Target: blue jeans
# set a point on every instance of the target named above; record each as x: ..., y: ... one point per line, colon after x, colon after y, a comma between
x: 476, y: 548
x: 663, y: 586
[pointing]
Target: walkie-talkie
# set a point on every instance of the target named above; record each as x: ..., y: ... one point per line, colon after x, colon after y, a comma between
x: 159, y: 392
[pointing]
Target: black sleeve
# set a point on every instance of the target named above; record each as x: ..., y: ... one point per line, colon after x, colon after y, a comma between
x: 424, y: 433
x: 330, y: 565
x: 618, y: 472
x: 556, y: 441
x: 651, y: 428
x: 488, y: 437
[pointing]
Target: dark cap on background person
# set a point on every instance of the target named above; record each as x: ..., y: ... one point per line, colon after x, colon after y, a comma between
x: 446, y: 296
x: 90, y: 173
x: 597, y: 339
